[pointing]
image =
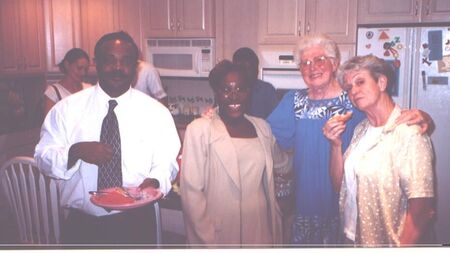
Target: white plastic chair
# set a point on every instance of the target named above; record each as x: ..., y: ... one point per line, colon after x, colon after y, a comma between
x: 33, y: 199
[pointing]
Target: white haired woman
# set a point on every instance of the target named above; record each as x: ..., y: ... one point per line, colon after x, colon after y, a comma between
x: 297, y: 124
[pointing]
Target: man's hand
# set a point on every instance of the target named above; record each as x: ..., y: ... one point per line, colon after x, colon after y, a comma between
x: 416, y: 117
x: 149, y: 182
x: 91, y: 152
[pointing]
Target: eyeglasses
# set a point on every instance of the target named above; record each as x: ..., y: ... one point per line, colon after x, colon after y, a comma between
x: 318, y: 61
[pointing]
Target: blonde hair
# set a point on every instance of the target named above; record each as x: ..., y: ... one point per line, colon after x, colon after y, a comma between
x: 318, y: 39
x: 377, y: 67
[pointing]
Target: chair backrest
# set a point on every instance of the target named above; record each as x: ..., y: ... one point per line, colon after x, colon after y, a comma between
x: 33, y: 199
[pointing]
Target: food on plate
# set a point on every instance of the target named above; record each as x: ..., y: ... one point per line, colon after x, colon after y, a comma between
x: 116, y: 196
x: 343, y: 117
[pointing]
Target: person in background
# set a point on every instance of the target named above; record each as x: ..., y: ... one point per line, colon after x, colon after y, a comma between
x: 297, y: 124
x: 72, y: 148
x: 263, y: 96
x: 149, y: 82
x: 385, y: 177
x: 74, y: 66
x: 229, y: 161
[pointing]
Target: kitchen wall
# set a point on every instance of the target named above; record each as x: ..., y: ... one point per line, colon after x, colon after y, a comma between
x: 20, y: 104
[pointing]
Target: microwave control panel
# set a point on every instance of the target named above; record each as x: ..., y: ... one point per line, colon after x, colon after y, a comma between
x: 207, y: 60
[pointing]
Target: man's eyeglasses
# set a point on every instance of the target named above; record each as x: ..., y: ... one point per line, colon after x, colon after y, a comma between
x: 318, y: 61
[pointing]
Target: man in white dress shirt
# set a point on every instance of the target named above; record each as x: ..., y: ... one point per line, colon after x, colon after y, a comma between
x: 149, y: 82
x: 70, y: 148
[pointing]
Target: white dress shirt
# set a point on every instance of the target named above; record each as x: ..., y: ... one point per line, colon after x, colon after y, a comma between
x: 149, y: 141
x: 149, y: 82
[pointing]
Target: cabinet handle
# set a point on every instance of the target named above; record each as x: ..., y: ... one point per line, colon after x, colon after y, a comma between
x: 179, y: 27
x: 172, y: 26
x: 416, y: 9
x: 299, y: 28
x: 427, y: 8
x: 308, y: 27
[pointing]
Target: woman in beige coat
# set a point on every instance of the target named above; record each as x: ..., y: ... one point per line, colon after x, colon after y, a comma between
x: 227, y: 178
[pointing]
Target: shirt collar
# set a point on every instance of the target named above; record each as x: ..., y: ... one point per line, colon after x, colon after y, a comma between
x: 103, y: 97
x: 391, y: 124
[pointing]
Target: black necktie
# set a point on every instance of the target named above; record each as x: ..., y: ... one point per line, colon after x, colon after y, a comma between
x: 110, y: 173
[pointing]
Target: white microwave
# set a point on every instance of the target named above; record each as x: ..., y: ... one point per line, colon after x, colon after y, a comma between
x: 182, y: 57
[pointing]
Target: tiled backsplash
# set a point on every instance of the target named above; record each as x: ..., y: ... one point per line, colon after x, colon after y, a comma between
x: 188, y: 96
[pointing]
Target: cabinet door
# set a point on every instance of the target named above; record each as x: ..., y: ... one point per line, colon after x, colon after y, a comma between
x: 436, y: 11
x: 336, y: 18
x: 159, y: 18
x: 281, y: 21
x: 388, y: 11
x: 10, y: 58
x: 62, y: 23
x: 97, y: 19
x: 32, y: 35
x: 22, y: 37
x: 194, y: 18
x: 236, y: 26
x: 129, y: 19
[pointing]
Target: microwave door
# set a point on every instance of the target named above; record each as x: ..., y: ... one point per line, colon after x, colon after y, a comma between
x: 175, y: 64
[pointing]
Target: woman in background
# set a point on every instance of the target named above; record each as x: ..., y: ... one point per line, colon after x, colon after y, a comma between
x: 227, y: 179
x: 297, y: 124
x: 74, y: 66
x: 385, y: 177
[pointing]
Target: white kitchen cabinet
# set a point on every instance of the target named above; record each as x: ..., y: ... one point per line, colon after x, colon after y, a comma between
x: 128, y: 15
x: 283, y: 21
x: 435, y: 11
x: 80, y: 23
x: 22, y: 45
x: 178, y: 18
x: 236, y: 26
x: 62, y: 30
x: 403, y: 11
x: 99, y: 17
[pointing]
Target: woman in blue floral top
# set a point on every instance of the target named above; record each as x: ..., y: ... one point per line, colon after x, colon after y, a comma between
x: 297, y: 124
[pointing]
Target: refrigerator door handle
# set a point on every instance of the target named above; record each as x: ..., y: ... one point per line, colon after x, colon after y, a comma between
x: 424, y: 80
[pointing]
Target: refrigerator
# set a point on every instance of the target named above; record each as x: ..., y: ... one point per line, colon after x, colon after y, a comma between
x: 420, y: 57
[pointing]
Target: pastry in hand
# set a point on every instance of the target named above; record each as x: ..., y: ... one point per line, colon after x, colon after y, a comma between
x: 343, y: 117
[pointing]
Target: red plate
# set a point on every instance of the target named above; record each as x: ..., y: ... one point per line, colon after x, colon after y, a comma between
x: 114, y: 198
